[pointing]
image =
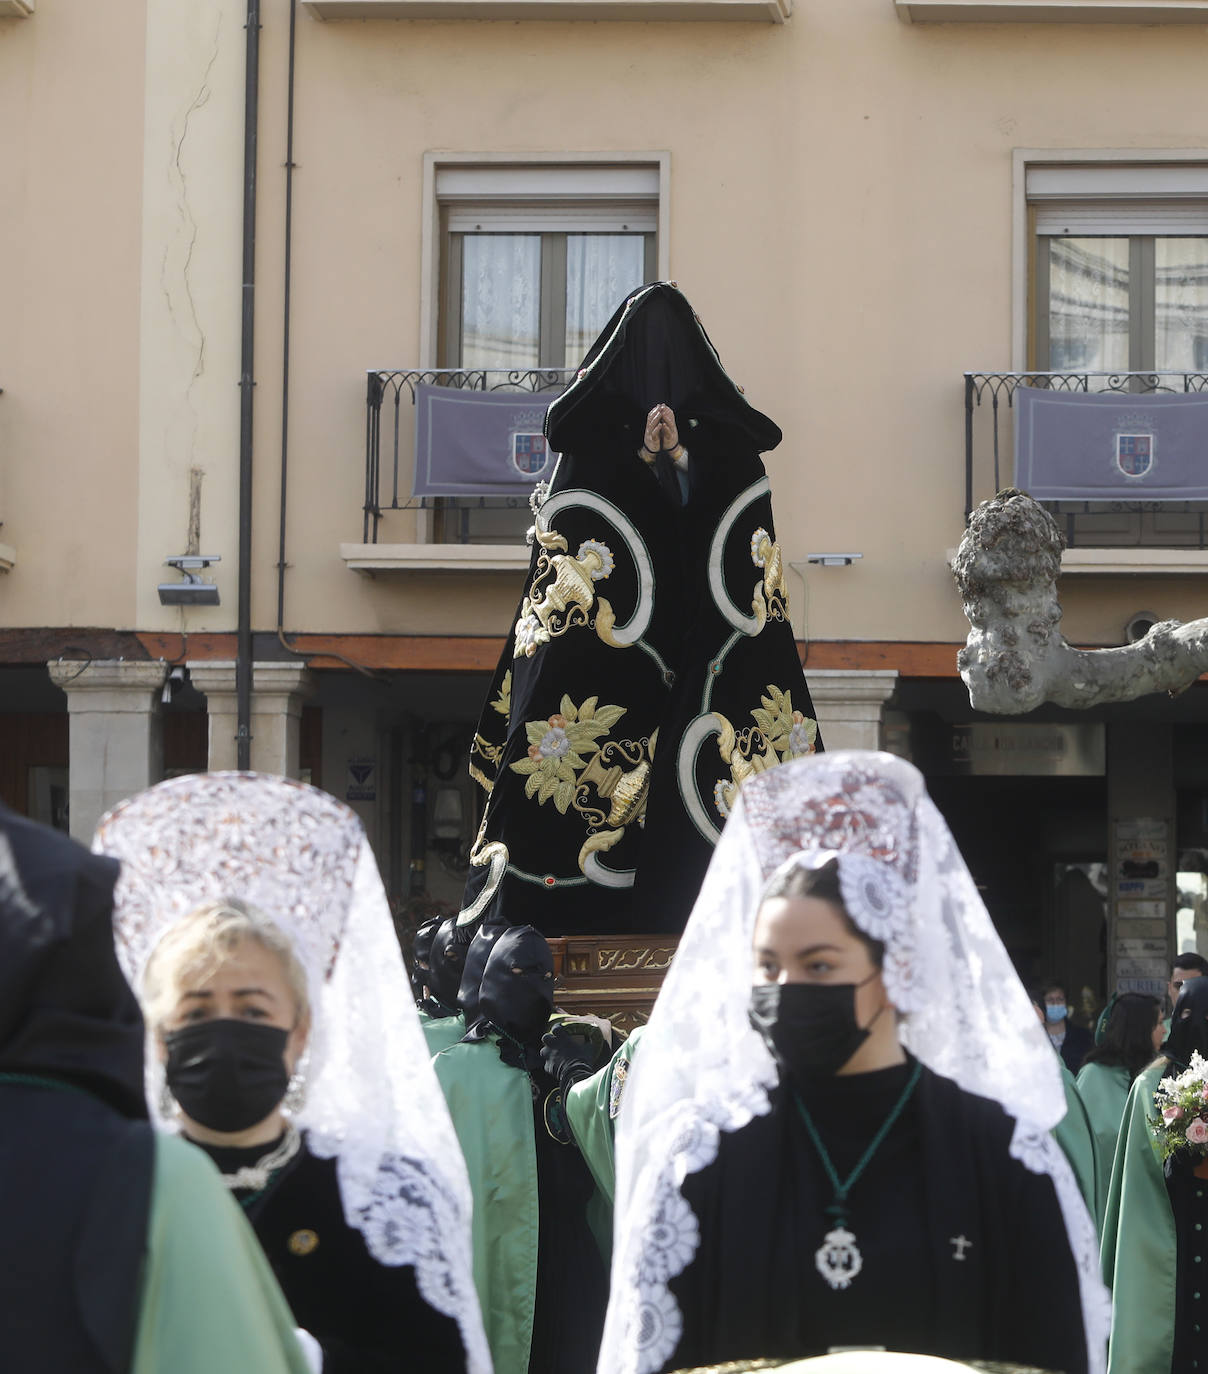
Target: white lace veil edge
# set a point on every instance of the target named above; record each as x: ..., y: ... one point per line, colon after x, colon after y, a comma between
x: 372, y: 1102
x: 703, y: 1070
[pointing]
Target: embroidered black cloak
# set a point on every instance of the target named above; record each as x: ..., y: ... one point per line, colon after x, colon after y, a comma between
x: 651, y: 666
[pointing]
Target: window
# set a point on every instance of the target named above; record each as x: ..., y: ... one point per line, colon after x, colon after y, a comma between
x: 531, y: 261
x: 535, y: 260
x: 1120, y: 280
x: 1118, y: 283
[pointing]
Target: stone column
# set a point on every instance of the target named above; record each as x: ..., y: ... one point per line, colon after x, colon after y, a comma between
x: 848, y: 704
x: 116, y: 745
x: 278, y: 692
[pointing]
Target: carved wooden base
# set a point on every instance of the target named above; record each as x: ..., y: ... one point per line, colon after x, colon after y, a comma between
x: 614, y: 976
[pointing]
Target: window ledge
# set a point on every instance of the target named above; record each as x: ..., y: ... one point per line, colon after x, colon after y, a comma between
x: 16, y: 9
x: 1135, y: 562
x: 371, y: 559
x: 1054, y: 11
x: 8, y: 557
x: 757, y: 11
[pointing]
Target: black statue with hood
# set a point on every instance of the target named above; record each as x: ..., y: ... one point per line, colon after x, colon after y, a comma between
x: 76, y: 1151
x: 651, y: 667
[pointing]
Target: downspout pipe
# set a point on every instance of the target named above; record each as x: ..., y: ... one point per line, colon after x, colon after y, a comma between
x: 247, y: 383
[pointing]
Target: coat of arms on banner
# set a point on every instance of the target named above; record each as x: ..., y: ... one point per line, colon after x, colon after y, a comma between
x: 530, y: 453
x: 1134, y: 454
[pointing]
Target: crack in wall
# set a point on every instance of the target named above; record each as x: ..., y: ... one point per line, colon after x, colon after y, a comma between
x: 175, y: 279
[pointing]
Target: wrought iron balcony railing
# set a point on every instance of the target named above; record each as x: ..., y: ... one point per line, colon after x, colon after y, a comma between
x: 990, y: 448
x: 390, y: 424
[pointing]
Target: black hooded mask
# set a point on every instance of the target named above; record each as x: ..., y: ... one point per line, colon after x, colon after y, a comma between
x: 66, y: 1010
x: 1188, y: 1024
x: 421, y: 951
x: 517, y: 991
x: 471, y: 975
x: 654, y: 350
x: 446, y: 958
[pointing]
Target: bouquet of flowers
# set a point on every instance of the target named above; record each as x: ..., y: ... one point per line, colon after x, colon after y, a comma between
x: 1182, y: 1107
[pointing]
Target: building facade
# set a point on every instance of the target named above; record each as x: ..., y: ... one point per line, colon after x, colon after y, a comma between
x: 884, y: 214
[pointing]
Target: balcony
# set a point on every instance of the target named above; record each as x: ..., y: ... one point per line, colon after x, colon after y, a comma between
x: 1053, y: 11
x: 402, y: 532
x: 1152, y: 537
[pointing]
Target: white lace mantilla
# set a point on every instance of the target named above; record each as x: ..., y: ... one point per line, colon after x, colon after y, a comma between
x: 372, y: 1102
x: 703, y: 1070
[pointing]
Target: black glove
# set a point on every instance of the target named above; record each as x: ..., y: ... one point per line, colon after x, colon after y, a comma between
x: 567, y: 1061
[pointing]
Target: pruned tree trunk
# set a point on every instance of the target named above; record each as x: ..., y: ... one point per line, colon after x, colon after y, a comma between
x: 1016, y: 658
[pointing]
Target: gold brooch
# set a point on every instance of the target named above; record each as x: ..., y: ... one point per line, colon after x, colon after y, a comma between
x: 303, y: 1243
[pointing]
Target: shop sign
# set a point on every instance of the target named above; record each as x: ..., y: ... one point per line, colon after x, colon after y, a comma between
x: 1016, y: 749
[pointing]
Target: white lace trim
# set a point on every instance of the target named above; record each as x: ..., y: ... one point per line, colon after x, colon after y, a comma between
x: 372, y: 1100
x: 703, y: 1069
x: 1037, y: 1151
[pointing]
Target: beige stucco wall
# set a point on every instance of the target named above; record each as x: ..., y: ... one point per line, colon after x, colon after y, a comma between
x: 840, y: 216
x: 71, y: 102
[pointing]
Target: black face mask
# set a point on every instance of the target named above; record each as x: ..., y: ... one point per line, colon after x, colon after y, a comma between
x: 810, y: 1028
x: 517, y: 992
x: 227, y: 1075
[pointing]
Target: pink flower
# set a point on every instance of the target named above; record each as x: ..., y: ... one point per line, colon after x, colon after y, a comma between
x: 1170, y: 1114
x: 1204, y: 1093
x: 1197, y: 1132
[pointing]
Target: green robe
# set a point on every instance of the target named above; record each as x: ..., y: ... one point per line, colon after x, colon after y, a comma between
x: 441, y: 1031
x: 209, y: 1300
x: 1103, y: 1089
x: 1140, y: 1250
x: 1076, y: 1137
x: 591, y: 1108
x: 492, y: 1110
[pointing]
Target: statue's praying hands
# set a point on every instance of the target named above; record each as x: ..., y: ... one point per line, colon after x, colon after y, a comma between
x: 662, y: 435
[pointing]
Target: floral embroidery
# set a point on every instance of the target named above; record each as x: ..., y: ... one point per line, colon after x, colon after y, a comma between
x: 779, y: 733
x: 771, y: 597
x: 562, y: 593
x: 571, y: 764
x: 503, y: 702
x: 560, y: 746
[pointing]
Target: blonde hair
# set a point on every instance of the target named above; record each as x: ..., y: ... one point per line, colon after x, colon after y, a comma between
x: 193, y: 949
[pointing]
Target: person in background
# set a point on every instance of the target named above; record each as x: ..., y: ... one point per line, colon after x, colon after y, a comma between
x: 251, y: 916
x: 1076, y: 1137
x: 1129, y: 1036
x: 120, y: 1250
x: 1154, y: 1248
x: 1071, y: 1042
x: 1185, y: 967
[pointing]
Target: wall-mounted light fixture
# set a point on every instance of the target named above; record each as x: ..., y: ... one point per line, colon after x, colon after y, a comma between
x: 194, y: 590
x: 832, y: 560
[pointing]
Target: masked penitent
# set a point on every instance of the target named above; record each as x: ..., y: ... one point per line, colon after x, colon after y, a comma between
x: 283, y: 1041
x: 120, y: 1251
x: 836, y: 1131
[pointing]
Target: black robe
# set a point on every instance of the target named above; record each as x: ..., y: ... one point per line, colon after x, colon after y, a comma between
x: 76, y: 1152
x: 369, y: 1318
x: 651, y: 666
x: 965, y: 1251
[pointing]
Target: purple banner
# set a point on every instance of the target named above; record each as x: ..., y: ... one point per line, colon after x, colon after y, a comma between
x: 479, y: 443
x: 1111, y: 446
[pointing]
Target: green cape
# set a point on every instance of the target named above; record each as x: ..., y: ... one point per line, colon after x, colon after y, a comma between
x: 492, y: 1110
x: 591, y: 1107
x: 1139, y: 1252
x: 1103, y: 1089
x: 209, y: 1299
x: 441, y: 1031
x: 1076, y: 1137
